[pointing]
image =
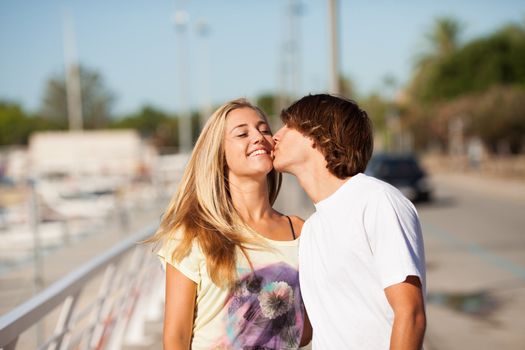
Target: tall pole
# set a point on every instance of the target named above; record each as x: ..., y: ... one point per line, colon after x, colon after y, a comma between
x: 289, y: 70
x: 38, y: 266
x: 185, y: 129
x: 333, y: 30
x: 203, y: 29
x: 295, y: 64
x: 73, y: 91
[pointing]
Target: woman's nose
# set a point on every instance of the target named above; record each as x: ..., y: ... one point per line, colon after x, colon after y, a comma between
x: 258, y: 137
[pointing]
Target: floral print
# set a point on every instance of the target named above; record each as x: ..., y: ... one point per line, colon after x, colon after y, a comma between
x: 276, y: 299
x: 265, y: 310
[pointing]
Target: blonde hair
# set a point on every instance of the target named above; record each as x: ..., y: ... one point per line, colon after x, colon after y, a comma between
x: 202, y: 208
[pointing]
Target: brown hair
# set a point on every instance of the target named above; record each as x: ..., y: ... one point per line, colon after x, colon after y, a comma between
x: 202, y: 210
x: 341, y: 130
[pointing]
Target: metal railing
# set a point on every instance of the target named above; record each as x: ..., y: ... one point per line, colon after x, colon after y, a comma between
x: 128, y: 278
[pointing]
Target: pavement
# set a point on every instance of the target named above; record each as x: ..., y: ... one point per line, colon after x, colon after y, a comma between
x: 475, y: 246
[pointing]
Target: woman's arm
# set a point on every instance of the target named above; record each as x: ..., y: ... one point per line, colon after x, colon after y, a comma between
x: 178, y: 310
x: 306, y: 338
x: 307, y: 331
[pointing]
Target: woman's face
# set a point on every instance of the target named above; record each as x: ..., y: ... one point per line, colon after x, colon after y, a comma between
x: 248, y: 144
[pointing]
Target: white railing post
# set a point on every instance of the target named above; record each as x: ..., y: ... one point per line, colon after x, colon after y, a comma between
x: 156, y: 305
x: 103, y: 309
x: 11, y: 345
x: 63, y: 323
x: 128, y: 301
x: 135, y: 330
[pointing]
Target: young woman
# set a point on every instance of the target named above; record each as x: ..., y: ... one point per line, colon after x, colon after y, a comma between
x: 231, y: 260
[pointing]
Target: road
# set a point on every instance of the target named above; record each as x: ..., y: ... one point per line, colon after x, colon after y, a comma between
x: 475, y: 251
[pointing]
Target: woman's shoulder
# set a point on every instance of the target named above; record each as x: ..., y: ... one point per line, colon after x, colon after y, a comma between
x: 297, y: 223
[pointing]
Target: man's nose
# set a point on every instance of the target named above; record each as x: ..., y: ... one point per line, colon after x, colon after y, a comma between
x: 277, y: 135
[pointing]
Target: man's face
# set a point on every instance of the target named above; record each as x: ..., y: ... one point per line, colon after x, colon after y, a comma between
x: 292, y: 149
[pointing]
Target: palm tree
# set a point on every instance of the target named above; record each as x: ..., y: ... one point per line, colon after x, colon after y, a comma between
x: 444, y: 37
x: 441, y: 41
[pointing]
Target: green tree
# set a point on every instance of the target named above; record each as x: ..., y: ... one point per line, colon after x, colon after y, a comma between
x: 485, y: 62
x: 376, y: 107
x: 96, y: 99
x: 146, y: 121
x: 271, y: 105
x: 153, y: 124
x: 267, y: 102
x: 499, y: 118
x: 441, y: 42
x: 347, y: 87
x: 481, y: 82
x: 16, y: 125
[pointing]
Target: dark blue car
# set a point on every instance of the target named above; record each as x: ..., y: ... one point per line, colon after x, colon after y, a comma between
x: 402, y: 171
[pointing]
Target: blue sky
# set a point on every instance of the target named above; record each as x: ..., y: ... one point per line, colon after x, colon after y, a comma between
x: 134, y: 46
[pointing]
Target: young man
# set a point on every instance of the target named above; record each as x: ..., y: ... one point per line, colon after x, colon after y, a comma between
x: 361, y: 257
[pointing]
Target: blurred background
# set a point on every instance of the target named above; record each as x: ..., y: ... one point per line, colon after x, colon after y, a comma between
x: 101, y: 102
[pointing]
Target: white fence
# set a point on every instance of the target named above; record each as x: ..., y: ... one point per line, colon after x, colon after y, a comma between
x: 103, y: 304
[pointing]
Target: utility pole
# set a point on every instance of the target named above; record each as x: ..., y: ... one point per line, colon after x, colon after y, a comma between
x: 185, y: 130
x: 333, y: 30
x: 290, y: 66
x: 203, y: 29
x: 294, y: 10
x: 38, y: 264
x: 73, y: 91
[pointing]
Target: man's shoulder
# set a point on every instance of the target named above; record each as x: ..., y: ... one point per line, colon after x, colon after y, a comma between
x: 311, y: 219
x: 372, y: 188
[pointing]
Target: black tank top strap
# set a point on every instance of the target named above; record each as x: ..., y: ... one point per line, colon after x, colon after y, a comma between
x: 291, y: 226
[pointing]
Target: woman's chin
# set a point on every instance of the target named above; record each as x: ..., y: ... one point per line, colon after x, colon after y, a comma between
x: 260, y: 172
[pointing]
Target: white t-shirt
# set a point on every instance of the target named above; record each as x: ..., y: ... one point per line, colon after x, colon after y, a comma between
x: 363, y: 238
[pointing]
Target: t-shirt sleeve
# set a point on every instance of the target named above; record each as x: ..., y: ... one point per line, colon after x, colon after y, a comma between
x: 190, y: 265
x: 395, y: 238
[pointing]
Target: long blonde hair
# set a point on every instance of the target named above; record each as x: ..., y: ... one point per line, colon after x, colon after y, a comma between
x: 202, y: 208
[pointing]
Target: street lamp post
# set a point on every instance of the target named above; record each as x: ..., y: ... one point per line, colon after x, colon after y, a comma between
x: 73, y: 90
x: 203, y: 29
x: 333, y: 30
x: 185, y: 129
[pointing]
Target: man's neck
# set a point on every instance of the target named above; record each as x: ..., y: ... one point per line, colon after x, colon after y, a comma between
x: 318, y: 182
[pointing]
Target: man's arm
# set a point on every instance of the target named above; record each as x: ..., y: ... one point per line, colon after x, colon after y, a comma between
x: 406, y: 299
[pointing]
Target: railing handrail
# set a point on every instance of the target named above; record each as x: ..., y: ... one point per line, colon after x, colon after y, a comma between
x: 30, y: 312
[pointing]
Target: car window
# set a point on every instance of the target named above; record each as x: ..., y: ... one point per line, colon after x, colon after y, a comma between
x: 400, y: 168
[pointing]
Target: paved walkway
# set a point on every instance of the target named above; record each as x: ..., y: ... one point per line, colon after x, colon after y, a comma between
x: 508, y: 188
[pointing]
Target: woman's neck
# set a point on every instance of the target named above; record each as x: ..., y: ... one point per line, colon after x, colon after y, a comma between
x: 250, y: 198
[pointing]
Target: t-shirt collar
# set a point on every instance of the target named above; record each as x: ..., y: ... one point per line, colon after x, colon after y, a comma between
x: 326, y: 202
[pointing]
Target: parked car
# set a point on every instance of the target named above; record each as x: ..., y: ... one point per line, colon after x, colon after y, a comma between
x: 402, y: 171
